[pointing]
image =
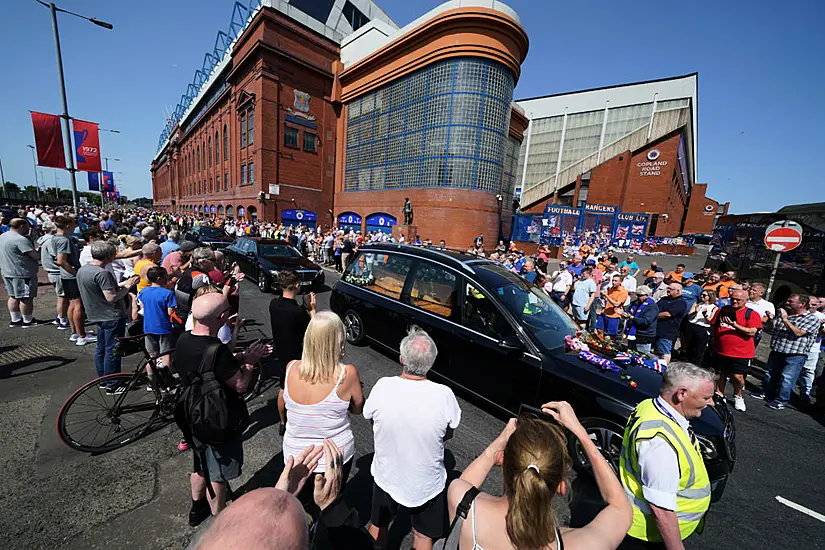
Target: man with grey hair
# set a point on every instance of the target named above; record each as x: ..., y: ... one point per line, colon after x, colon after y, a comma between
x: 103, y: 302
x: 171, y: 244
x: 668, y: 506
x: 412, y: 417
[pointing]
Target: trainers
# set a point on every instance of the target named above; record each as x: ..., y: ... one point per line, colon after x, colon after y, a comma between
x: 777, y: 405
x: 116, y: 390
x: 758, y: 395
x: 199, y: 512
x: 13, y: 324
x: 739, y: 403
x: 35, y: 323
x: 88, y: 340
x: 103, y: 386
x: 63, y: 326
x: 56, y: 321
x: 73, y: 337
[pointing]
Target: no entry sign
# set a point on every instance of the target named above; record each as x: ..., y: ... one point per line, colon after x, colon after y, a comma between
x: 783, y: 236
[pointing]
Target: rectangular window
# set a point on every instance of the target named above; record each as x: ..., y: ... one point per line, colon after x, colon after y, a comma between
x: 243, y: 130
x: 354, y: 17
x: 250, y: 127
x: 290, y: 137
x: 243, y: 174
x: 226, y: 181
x: 482, y: 315
x: 382, y: 273
x: 250, y: 170
x: 310, y: 142
x: 433, y: 289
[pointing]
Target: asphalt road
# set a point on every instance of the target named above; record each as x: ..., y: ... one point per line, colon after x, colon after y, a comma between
x: 138, y: 496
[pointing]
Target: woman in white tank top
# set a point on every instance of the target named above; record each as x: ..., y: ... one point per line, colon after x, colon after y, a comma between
x: 320, y: 392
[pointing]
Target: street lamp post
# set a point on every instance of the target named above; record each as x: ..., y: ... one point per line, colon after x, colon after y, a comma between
x: 65, y: 116
x: 34, y: 163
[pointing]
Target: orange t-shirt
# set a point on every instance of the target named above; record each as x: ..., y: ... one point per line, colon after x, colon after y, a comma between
x: 140, y: 266
x: 724, y: 288
x: 617, y: 295
x: 673, y: 276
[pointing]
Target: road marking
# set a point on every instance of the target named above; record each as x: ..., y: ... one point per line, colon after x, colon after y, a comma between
x: 800, y: 508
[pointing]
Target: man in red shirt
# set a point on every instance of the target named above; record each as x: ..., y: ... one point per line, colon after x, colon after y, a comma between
x: 733, y: 328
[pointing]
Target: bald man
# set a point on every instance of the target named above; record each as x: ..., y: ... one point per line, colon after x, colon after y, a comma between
x: 221, y: 462
x: 262, y: 519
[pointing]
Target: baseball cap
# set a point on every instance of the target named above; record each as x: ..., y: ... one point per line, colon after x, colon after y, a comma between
x: 187, y: 246
x: 591, y: 261
x: 687, y: 275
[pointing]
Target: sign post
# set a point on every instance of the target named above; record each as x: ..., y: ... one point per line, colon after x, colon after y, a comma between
x: 781, y: 237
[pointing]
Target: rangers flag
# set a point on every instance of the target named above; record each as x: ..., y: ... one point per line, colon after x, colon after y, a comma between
x: 48, y: 137
x: 621, y: 232
x: 637, y: 229
x: 87, y: 145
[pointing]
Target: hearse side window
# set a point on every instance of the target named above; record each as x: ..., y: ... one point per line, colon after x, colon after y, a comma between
x: 381, y: 273
x: 433, y: 289
x: 482, y: 315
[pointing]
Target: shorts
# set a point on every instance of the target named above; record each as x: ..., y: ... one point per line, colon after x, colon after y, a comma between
x: 733, y: 365
x: 70, y: 289
x: 662, y: 346
x: 579, y: 313
x: 158, y: 343
x: 223, y: 463
x: 21, y: 288
x: 57, y: 283
x: 610, y: 325
x: 430, y: 519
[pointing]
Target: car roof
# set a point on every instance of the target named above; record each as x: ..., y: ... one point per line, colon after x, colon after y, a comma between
x: 264, y: 240
x: 456, y: 259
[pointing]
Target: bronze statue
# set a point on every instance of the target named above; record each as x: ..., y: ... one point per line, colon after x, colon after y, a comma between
x: 408, y: 211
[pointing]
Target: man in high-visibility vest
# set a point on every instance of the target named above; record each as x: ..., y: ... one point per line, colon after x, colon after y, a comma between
x: 661, y: 467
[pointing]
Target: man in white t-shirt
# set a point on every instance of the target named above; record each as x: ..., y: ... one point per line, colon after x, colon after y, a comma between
x: 757, y: 302
x: 629, y: 283
x: 808, y: 373
x: 412, y: 417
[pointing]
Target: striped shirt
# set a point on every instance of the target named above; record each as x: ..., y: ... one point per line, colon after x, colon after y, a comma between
x: 311, y: 424
x: 785, y: 341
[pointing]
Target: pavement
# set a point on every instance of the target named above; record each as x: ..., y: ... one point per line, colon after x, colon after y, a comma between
x: 138, y: 497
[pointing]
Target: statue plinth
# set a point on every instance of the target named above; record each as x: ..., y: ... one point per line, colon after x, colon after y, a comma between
x: 407, y: 231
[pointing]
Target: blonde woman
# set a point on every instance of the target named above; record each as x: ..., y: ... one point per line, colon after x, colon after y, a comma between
x: 320, y: 392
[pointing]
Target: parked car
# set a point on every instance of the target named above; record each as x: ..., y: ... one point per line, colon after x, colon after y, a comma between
x: 502, y: 341
x: 213, y: 237
x: 263, y: 259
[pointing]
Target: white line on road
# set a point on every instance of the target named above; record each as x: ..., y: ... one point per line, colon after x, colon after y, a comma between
x: 800, y: 508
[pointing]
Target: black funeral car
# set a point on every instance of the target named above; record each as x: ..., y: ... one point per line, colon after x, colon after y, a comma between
x: 501, y: 342
x: 263, y: 259
x: 213, y: 237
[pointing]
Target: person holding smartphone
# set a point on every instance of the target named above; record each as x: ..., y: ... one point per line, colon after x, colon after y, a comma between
x: 532, y: 453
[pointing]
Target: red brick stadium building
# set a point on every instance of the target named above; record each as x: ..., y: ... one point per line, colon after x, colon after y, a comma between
x: 324, y: 112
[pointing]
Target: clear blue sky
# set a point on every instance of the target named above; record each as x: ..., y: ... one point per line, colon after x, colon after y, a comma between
x: 761, y: 77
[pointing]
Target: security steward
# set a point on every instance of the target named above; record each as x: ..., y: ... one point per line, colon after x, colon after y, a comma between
x: 661, y: 468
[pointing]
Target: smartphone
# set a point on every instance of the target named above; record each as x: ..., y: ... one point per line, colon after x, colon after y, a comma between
x: 527, y: 409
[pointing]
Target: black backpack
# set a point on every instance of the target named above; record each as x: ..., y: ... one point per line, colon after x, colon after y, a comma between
x: 206, y: 412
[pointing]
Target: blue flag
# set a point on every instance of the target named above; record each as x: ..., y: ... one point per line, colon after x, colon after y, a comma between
x: 94, y: 181
x: 108, y: 182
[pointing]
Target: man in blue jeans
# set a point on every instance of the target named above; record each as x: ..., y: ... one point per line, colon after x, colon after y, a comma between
x: 795, y: 329
x: 103, y: 301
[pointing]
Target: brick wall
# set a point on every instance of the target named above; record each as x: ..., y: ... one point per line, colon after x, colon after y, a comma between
x: 702, y: 211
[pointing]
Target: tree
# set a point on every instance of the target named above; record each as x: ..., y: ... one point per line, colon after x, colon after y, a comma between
x: 30, y: 190
x: 12, y: 187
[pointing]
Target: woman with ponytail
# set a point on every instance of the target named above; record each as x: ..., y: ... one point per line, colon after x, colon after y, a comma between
x: 535, y: 465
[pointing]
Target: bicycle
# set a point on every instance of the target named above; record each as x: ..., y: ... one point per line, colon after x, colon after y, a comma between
x: 124, y: 412
x: 130, y: 413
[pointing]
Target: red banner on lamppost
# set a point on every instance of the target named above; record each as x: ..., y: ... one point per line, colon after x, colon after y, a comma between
x: 87, y: 146
x: 48, y: 137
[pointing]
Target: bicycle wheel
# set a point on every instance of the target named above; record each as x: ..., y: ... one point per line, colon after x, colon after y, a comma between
x: 92, y: 420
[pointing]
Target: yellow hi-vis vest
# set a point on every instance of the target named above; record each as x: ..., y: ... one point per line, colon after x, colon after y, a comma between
x: 693, y: 497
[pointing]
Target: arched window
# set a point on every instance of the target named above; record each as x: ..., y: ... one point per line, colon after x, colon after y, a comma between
x: 209, y: 154
x: 217, y: 149
x: 225, y: 144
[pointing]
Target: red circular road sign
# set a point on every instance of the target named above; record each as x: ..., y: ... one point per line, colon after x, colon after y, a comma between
x: 783, y: 236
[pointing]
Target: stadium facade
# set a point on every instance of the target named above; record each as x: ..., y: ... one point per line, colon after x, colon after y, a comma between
x: 326, y: 112
x: 632, y: 146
